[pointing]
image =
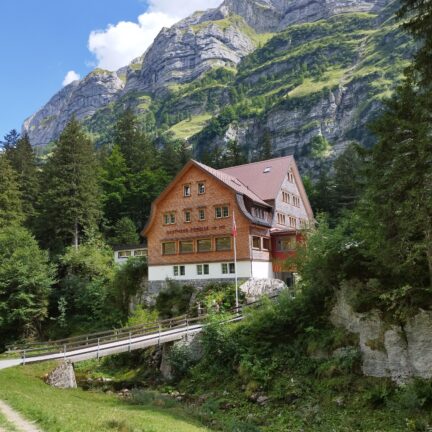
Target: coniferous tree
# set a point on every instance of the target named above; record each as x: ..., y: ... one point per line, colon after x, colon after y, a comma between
x: 234, y: 155
x: 397, y: 210
x: 11, y: 211
x: 349, y: 177
x: 70, y: 203
x: 138, y: 149
x: 114, y: 179
x: 266, y: 149
x: 10, y: 140
x: 23, y: 160
x: 125, y: 232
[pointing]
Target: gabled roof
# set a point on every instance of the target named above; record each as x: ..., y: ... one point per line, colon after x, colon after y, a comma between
x: 264, y: 178
x: 234, y: 183
x: 230, y: 181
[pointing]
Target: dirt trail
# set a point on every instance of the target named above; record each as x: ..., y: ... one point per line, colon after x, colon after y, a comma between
x: 16, y: 419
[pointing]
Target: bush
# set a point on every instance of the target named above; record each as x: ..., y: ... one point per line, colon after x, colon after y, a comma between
x: 174, y: 300
x: 181, y: 360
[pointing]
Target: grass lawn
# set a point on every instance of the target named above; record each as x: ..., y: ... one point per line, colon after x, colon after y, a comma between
x: 57, y: 410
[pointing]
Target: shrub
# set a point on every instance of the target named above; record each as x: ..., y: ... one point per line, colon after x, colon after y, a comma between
x: 181, y: 360
x: 174, y: 300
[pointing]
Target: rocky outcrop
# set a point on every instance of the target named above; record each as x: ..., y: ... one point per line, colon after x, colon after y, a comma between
x: 254, y: 289
x: 80, y: 99
x: 275, y: 15
x: 388, y: 350
x: 62, y: 376
x: 337, y: 114
x: 185, y: 51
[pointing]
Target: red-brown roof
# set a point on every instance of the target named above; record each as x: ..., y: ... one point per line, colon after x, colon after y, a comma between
x: 233, y: 182
x: 264, y: 178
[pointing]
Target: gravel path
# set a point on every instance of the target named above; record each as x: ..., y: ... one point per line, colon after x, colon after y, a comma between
x: 16, y: 419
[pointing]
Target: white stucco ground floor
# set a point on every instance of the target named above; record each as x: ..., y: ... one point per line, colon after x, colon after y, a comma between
x: 208, y: 271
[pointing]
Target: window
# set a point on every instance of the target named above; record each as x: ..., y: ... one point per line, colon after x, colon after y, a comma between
x: 124, y: 254
x: 290, y: 177
x: 169, y: 218
x: 266, y: 244
x: 258, y: 212
x: 179, y: 270
x: 223, y: 243
x: 296, y: 201
x: 186, y: 246
x: 286, y: 197
x: 256, y: 242
x: 281, y: 219
x: 203, y: 269
x: 292, y: 221
x: 285, y: 244
x: 169, y: 248
x: 228, y: 268
x: 201, y: 214
x: 187, y: 216
x: 221, y: 212
x: 186, y: 190
x: 204, y: 245
x: 201, y: 188
x: 140, y: 252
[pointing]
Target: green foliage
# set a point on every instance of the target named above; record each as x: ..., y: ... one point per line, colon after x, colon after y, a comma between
x: 140, y: 316
x: 320, y: 147
x: 114, y: 177
x: 70, y: 204
x: 181, y: 360
x: 125, y: 232
x: 23, y: 160
x: 127, y: 283
x: 174, y: 300
x: 11, y: 208
x: 86, y: 275
x: 26, y: 278
x: 221, y: 294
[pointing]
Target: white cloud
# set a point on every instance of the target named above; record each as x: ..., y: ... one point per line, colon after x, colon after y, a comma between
x: 70, y: 77
x: 118, y: 44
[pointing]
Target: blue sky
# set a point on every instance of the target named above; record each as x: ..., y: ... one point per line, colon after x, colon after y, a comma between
x: 42, y: 40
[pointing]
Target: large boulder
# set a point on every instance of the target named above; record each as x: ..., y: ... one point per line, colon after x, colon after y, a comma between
x: 254, y: 289
x: 63, y: 376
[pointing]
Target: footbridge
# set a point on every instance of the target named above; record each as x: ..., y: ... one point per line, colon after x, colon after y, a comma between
x: 97, y: 345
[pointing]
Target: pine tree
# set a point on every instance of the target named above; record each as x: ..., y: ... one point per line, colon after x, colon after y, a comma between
x: 125, y: 232
x: 398, y: 206
x: 266, y: 149
x: 114, y: 179
x: 138, y: 149
x: 234, y: 154
x: 349, y: 177
x: 10, y: 140
x: 11, y: 211
x: 70, y: 199
x: 23, y: 160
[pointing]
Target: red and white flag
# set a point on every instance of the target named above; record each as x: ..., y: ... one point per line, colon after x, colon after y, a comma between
x: 234, y: 227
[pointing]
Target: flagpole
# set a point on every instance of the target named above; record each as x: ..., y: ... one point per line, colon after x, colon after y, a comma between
x: 234, y: 233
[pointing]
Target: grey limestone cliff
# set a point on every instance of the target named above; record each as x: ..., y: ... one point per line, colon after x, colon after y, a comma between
x: 80, y: 99
x: 185, y: 51
x: 275, y: 15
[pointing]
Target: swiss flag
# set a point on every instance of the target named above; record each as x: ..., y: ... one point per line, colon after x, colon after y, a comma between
x: 234, y: 227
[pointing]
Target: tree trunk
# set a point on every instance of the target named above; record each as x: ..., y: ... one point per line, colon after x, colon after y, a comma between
x: 75, y: 239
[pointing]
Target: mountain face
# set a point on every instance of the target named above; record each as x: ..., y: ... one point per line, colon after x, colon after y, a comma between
x: 79, y: 98
x: 311, y: 73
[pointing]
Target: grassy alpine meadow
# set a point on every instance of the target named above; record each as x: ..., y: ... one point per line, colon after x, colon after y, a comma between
x: 57, y: 410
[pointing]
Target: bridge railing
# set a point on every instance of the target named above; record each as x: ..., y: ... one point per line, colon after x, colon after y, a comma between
x: 97, y: 339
